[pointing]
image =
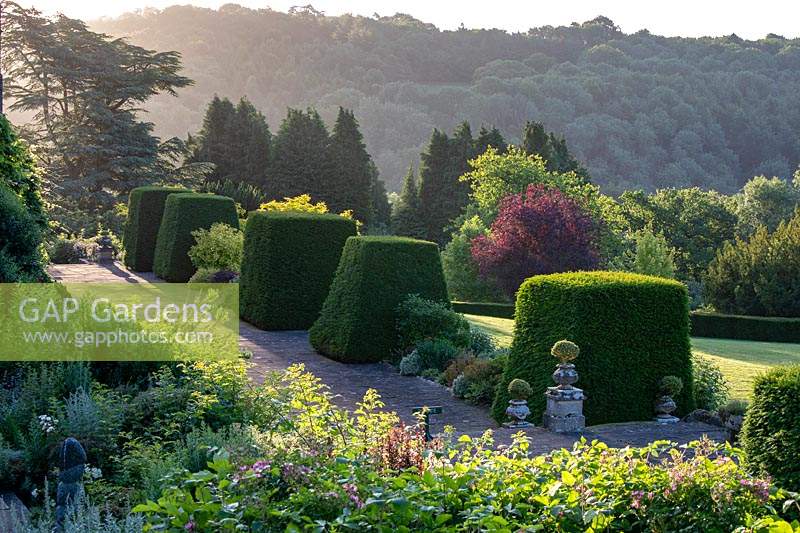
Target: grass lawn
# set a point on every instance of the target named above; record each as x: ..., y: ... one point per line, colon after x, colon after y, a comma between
x: 740, y: 361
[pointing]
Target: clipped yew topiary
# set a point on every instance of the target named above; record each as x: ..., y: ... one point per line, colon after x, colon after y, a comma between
x: 771, y: 431
x: 184, y: 213
x: 289, y: 262
x: 359, y: 318
x: 145, y: 209
x: 632, y: 331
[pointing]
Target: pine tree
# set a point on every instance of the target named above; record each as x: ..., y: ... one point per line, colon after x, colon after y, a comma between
x: 84, y: 90
x: 380, y: 210
x: 236, y: 139
x: 487, y: 138
x: 351, y: 167
x: 300, y: 162
x: 434, y: 185
x: 536, y: 141
x: 406, y: 220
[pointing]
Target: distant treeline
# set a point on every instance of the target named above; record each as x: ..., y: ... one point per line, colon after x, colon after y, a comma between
x: 639, y: 110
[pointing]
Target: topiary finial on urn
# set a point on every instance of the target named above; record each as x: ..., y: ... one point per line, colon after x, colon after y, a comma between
x: 565, y: 375
x: 565, y: 351
x: 518, y: 409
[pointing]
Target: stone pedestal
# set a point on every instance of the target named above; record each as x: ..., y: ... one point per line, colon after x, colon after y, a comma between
x: 564, y: 412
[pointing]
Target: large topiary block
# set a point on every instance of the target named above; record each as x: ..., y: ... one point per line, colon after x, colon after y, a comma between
x: 184, y: 213
x: 632, y: 331
x: 771, y: 432
x: 358, y: 320
x: 289, y: 262
x: 145, y: 209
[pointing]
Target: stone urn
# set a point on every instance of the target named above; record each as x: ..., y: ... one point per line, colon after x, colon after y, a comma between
x: 565, y: 375
x: 518, y: 410
x: 669, y: 386
x: 564, y: 411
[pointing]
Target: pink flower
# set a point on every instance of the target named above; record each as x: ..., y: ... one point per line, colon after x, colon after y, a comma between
x: 190, y: 525
x: 352, y: 492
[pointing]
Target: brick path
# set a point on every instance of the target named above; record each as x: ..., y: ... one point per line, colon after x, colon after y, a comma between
x: 276, y: 350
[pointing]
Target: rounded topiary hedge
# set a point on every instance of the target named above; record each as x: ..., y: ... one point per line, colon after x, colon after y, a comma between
x: 184, y: 213
x: 632, y: 331
x: 289, y: 262
x: 358, y: 320
x: 145, y: 209
x: 771, y: 432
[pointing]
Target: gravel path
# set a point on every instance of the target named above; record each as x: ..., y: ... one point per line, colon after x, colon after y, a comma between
x: 276, y: 350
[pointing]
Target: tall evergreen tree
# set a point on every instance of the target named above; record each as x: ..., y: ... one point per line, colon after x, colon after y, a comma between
x: 553, y: 149
x: 300, y: 162
x: 236, y: 139
x: 380, y: 210
x: 406, y: 219
x: 490, y: 137
x: 351, y: 166
x: 84, y: 90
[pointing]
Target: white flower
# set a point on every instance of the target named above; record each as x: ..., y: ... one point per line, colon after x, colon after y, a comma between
x: 47, y: 423
x: 34, y: 492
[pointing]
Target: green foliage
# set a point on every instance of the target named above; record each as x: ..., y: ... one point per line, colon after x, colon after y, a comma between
x: 406, y: 215
x: 352, y: 168
x: 85, y: 119
x: 653, y: 256
x: 218, y: 248
x: 771, y: 432
x: 752, y: 328
x: 289, y: 262
x: 20, y: 241
x: 519, y: 389
x: 565, y: 351
x: 485, y: 309
x: 670, y: 385
x: 632, y: 330
x: 710, y: 387
x: 19, y: 173
x: 236, y: 139
x: 436, y: 354
x: 553, y: 150
x: 460, y: 269
x: 183, y: 214
x: 359, y: 318
x: 249, y: 196
x: 760, y: 276
x: 419, y: 319
x: 145, y: 210
x: 695, y: 224
x: 765, y: 202
x: 477, y: 378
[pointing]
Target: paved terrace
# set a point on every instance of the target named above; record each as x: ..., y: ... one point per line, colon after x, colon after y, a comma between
x: 276, y: 350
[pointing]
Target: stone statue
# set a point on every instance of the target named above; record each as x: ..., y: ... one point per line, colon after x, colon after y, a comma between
x: 564, y: 411
x: 72, y: 462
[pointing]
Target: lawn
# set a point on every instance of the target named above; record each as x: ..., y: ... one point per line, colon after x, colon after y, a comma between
x: 740, y: 361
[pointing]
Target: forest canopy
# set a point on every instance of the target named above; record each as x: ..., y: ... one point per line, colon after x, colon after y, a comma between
x: 638, y: 110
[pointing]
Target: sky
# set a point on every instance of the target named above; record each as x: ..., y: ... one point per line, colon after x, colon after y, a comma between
x: 689, y: 18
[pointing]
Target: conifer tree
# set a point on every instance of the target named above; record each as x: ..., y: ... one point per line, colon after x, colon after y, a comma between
x: 351, y: 168
x: 236, y: 139
x: 490, y: 137
x: 300, y: 162
x: 536, y: 141
x: 406, y: 220
x: 380, y: 210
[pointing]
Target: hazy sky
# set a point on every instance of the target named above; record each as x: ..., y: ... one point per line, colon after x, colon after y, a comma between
x: 665, y: 17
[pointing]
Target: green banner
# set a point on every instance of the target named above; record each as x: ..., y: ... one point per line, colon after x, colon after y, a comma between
x: 119, y: 321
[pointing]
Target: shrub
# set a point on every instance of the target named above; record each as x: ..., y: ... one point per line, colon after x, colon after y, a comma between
x: 145, y: 210
x: 436, y: 353
x: 751, y: 328
x: 481, y: 343
x: 456, y: 368
x: 358, y: 320
x: 218, y: 248
x: 482, y: 377
x: 539, y: 232
x: 20, y: 238
x: 419, y: 319
x: 70, y: 251
x: 498, y: 310
x: 184, y: 213
x: 246, y: 194
x: 631, y: 329
x: 710, y: 388
x: 289, y: 262
x: 460, y: 270
x: 410, y: 364
x: 771, y: 432
x: 760, y: 276
x: 519, y: 389
x: 461, y: 386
